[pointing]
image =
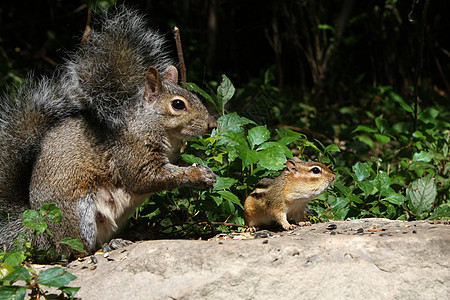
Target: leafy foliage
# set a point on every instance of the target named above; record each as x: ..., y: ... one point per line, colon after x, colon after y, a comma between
x: 15, y: 265
x: 398, y: 174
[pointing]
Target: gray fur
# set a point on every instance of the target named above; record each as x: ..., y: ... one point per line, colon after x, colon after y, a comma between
x: 88, y: 226
x: 97, y: 138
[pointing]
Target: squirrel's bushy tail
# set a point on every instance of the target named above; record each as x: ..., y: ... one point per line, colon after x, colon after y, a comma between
x: 24, y: 119
x: 108, y: 70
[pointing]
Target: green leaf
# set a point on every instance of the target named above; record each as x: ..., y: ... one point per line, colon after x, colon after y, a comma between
x: 192, y: 159
x: 12, y: 292
x: 258, y: 135
x: 19, y: 273
x: 423, y: 156
x: 218, y: 200
x: 5, y: 269
x: 382, y: 182
x: 193, y: 87
x: 15, y: 259
x: 367, y: 187
x: 442, y: 212
x: 51, y: 211
x: 248, y: 157
x: 231, y: 197
x: 232, y: 122
x: 421, y: 195
x: 364, y: 128
x: 273, y: 158
x: 74, y: 243
x: 224, y: 183
x: 383, y: 139
x: 382, y: 124
x: 340, y: 203
x: 71, y: 291
x: 396, y: 199
x: 394, y: 96
x: 326, y: 27
x: 332, y: 147
x: 342, y: 188
x: 225, y: 90
x: 362, y: 170
x: 56, y: 277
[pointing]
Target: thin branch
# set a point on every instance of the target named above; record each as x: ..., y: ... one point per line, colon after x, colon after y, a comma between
x: 176, y: 33
x: 87, y: 29
x: 419, y: 63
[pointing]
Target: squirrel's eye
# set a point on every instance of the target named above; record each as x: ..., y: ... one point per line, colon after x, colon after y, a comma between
x: 316, y: 170
x: 178, y: 104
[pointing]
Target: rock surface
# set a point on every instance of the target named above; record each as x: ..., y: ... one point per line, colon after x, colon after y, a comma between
x: 359, y: 259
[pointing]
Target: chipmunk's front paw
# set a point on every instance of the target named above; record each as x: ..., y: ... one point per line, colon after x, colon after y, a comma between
x: 202, y: 176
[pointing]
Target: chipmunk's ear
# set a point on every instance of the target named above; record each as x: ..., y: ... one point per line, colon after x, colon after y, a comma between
x: 296, y: 159
x: 153, y: 84
x: 171, y: 74
x: 292, y: 167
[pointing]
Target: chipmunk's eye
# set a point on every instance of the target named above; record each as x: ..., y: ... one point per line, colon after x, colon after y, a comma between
x: 178, y: 104
x: 316, y: 170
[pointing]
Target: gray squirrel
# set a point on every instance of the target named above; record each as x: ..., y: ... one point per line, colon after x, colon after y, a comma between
x: 99, y: 136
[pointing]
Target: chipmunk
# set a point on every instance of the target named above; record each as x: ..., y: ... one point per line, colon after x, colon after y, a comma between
x: 279, y: 199
x: 98, y: 137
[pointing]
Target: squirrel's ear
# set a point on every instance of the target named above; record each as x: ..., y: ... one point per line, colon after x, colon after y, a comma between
x: 153, y: 84
x: 292, y: 167
x: 171, y: 74
x: 296, y: 159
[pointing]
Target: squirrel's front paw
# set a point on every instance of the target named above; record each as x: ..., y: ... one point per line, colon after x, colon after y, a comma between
x: 201, y: 175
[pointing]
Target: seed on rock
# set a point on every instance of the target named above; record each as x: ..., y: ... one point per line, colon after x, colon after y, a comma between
x: 331, y: 227
x: 385, y: 234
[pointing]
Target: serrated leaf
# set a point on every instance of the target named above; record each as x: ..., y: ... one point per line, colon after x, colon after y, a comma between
x: 258, y: 135
x: 421, y: 195
x: 56, y: 277
x: 362, y: 170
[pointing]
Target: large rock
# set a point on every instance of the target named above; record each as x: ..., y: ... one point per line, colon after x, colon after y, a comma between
x: 359, y: 259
